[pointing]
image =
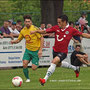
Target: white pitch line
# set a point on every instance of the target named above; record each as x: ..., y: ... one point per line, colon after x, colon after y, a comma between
x: 66, y: 80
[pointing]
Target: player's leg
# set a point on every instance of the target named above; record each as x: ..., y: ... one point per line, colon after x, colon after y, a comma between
x: 57, y: 59
x: 69, y: 66
x: 34, y: 67
x: 52, y: 67
x: 25, y: 70
x: 50, y: 70
x: 65, y: 64
x: 35, y: 59
x: 26, y: 59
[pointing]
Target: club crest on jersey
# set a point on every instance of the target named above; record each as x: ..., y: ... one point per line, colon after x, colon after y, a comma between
x: 67, y: 32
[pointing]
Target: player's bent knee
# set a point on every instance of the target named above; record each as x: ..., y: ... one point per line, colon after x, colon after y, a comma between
x: 25, y: 65
x: 56, y: 60
x: 34, y: 67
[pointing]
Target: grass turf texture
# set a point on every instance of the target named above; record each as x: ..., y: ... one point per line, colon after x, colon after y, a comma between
x: 62, y: 79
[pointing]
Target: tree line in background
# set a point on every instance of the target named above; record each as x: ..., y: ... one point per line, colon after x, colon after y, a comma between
x: 49, y: 10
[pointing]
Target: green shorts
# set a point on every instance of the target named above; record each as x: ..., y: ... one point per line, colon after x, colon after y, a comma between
x: 31, y: 56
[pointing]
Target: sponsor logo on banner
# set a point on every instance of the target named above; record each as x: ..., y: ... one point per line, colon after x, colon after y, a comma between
x: 14, y: 61
x: 2, y: 62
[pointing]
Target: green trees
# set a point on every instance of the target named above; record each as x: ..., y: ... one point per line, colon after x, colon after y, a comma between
x: 74, y: 8
x: 15, y: 9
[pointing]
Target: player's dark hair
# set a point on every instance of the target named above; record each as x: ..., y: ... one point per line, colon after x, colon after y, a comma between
x: 64, y: 18
x: 78, y: 46
x: 71, y: 22
x: 27, y: 17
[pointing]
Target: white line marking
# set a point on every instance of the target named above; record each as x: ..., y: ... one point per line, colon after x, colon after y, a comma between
x: 67, y: 80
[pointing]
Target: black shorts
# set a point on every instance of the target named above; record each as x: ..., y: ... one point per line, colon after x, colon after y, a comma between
x: 62, y: 56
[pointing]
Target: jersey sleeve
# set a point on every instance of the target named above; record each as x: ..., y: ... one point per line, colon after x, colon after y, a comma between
x: 20, y: 37
x: 50, y: 30
x: 38, y: 34
x: 76, y: 32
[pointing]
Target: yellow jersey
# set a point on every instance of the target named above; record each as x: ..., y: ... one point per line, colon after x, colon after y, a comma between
x: 32, y: 40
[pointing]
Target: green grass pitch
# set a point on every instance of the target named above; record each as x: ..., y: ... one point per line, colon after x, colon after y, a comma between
x: 62, y: 79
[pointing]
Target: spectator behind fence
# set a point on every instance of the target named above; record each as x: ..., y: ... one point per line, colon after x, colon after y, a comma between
x: 86, y: 27
x: 77, y: 39
x: 77, y: 26
x: 18, y: 27
x: 13, y: 30
x: 82, y: 21
x: 42, y: 27
x: 5, y: 31
x: 78, y: 58
x: 50, y: 34
x: 19, y: 22
x: 10, y: 23
x: 71, y: 24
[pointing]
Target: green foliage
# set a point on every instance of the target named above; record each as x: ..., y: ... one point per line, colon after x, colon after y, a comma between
x: 15, y: 9
x: 73, y: 8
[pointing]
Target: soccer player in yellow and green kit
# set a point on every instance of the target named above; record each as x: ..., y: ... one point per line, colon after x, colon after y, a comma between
x: 34, y: 45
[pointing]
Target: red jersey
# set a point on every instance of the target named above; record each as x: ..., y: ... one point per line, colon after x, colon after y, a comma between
x: 63, y: 37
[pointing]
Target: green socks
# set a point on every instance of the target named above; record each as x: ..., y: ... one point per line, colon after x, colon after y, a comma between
x: 25, y: 70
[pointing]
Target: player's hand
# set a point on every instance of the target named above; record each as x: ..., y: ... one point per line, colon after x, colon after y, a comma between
x: 40, y: 53
x: 1, y: 37
x: 32, y: 32
x: 12, y: 41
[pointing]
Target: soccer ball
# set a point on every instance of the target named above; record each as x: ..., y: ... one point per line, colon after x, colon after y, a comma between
x: 17, y: 81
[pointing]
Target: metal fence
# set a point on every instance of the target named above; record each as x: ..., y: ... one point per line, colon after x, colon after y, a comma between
x: 36, y: 16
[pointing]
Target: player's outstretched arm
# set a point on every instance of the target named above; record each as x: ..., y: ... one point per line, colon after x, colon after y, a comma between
x: 14, y: 41
x: 86, y: 35
x: 38, y: 31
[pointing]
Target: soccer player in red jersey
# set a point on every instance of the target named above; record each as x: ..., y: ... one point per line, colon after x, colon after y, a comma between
x: 63, y: 35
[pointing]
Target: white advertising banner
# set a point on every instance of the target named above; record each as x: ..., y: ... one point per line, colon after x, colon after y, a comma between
x: 47, y: 52
x: 11, y: 55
